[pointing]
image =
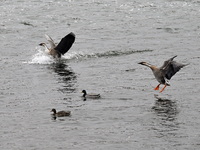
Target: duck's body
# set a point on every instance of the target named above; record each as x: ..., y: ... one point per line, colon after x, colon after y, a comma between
x: 60, y: 113
x: 92, y: 95
x: 165, y: 72
x: 63, y: 47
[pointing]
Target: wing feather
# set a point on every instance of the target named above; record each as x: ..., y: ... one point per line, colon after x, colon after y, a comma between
x: 65, y: 43
x: 167, y: 62
x: 172, y: 69
x: 50, y: 40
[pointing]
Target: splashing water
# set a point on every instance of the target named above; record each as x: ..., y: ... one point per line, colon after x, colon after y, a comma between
x: 41, y: 57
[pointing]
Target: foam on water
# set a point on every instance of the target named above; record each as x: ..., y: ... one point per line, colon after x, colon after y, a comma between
x: 41, y: 57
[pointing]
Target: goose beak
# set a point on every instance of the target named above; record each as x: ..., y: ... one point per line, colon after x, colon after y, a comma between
x: 41, y: 44
x: 141, y: 63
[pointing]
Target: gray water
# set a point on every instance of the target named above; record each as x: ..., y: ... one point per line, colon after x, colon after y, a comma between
x: 111, y: 38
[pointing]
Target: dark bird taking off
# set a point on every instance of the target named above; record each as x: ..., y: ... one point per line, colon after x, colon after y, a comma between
x: 165, y: 72
x: 62, y: 47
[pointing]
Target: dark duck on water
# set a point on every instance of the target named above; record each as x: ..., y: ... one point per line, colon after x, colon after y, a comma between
x: 85, y: 95
x: 60, y: 113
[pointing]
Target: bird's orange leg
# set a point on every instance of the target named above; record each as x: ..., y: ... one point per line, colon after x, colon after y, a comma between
x: 163, y: 88
x: 157, y: 88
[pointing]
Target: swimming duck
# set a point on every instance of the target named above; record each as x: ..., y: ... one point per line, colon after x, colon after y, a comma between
x: 62, y: 47
x: 60, y: 113
x: 85, y: 95
x: 165, y: 72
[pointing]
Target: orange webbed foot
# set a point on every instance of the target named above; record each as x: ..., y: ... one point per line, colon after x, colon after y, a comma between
x: 163, y: 88
x: 157, y: 88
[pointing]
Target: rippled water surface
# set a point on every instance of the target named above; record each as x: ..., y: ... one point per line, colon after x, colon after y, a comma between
x: 112, y: 36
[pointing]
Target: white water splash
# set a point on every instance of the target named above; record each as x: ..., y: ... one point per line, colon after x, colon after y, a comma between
x: 41, y: 57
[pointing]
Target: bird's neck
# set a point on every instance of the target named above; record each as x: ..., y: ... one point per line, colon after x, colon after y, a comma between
x: 150, y: 66
x: 153, y: 67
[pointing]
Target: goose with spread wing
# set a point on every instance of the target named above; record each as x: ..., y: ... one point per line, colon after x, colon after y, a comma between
x: 165, y: 72
x: 57, y: 50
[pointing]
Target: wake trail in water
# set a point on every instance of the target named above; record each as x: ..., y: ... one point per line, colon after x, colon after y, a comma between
x: 42, y: 57
x: 82, y: 55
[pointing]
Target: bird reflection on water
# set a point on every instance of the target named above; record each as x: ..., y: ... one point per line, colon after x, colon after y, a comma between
x: 165, y: 124
x: 165, y: 108
x: 66, y: 76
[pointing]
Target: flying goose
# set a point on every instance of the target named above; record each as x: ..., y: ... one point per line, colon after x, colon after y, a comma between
x: 165, y: 72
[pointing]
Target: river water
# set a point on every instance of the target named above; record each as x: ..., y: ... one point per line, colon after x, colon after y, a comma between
x: 112, y: 36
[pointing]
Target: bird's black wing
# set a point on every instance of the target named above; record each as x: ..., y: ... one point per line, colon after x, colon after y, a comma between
x: 66, y: 43
x: 172, y: 68
x: 167, y: 62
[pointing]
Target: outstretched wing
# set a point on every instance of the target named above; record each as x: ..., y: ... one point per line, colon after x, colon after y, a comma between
x: 167, y: 62
x: 172, y: 69
x: 66, y: 43
x: 50, y: 40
